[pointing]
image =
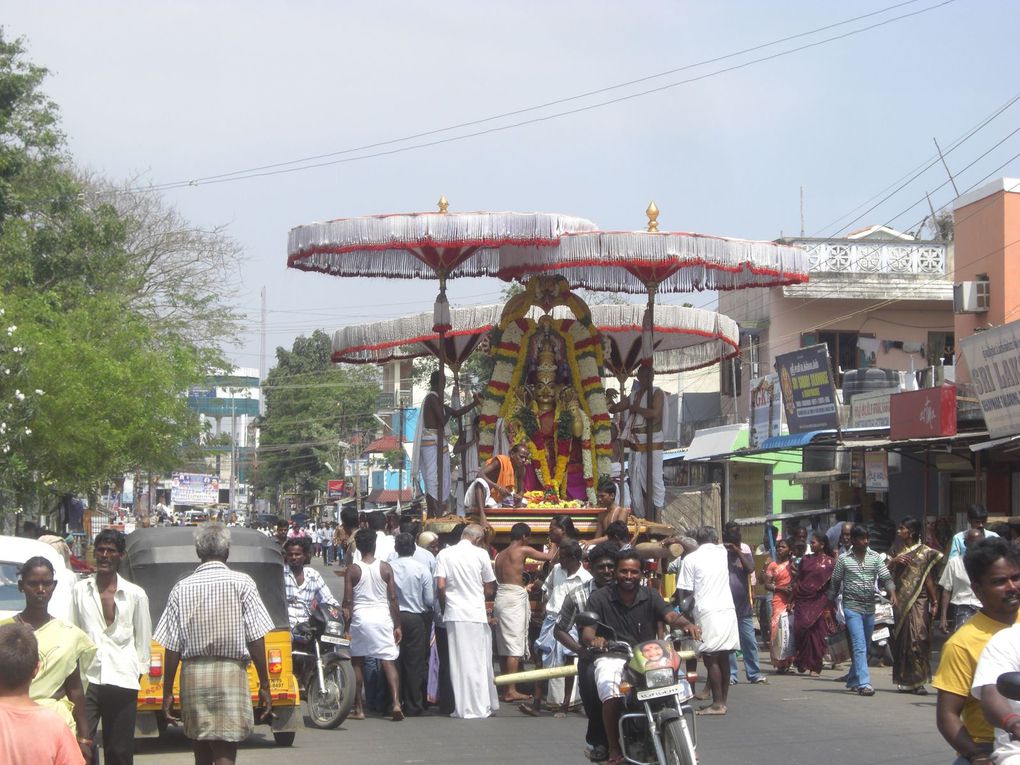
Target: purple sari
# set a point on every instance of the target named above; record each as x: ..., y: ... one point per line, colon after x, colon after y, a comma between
x: 812, y: 616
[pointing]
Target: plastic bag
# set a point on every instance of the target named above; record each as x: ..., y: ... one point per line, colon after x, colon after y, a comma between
x: 782, y: 641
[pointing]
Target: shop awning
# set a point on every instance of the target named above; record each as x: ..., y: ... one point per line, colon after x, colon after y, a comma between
x: 793, y: 440
x: 715, y: 442
x: 980, y: 447
x: 809, y: 476
x: 793, y: 514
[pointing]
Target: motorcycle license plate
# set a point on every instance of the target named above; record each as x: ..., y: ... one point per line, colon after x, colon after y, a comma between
x: 882, y: 634
x: 335, y: 640
x: 669, y: 690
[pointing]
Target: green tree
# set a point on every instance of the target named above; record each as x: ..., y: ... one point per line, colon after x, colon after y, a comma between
x: 311, y: 406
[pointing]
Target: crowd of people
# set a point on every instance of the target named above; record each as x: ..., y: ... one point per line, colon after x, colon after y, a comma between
x: 415, y: 606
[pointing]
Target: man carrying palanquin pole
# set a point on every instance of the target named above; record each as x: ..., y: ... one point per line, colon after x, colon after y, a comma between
x: 434, y: 414
x: 642, y: 418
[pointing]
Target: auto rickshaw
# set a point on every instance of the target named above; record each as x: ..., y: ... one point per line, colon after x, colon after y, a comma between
x: 156, y: 559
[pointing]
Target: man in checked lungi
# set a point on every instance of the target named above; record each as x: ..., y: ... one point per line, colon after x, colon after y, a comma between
x: 216, y: 623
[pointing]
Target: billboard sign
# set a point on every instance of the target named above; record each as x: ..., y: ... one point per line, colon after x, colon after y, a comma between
x: 876, y: 471
x: 993, y: 358
x: 194, y: 489
x: 870, y: 410
x: 335, y: 488
x: 766, y: 410
x: 808, y: 392
x: 925, y: 413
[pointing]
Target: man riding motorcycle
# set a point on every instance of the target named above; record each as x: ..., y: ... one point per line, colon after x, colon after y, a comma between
x: 305, y: 587
x: 633, y: 611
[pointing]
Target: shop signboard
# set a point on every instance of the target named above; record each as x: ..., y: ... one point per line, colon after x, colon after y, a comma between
x: 876, y: 471
x: 925, y: 413
x: 194, y: 489
x: 808, y: 392
x: 993, y: 358
x: 766, y: 410
x: 870, y: 410
x: 335, y: 488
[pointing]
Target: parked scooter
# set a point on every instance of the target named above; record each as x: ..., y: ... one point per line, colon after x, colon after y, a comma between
x: 880, y: 648
x: 657, y: 726
x: 322, y: 664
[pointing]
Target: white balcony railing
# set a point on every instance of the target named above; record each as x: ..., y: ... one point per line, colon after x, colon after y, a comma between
x: 875, y: 258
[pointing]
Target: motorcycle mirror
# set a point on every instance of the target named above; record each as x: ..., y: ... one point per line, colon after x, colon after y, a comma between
x: 1008, y: 685
x: 587, y: 618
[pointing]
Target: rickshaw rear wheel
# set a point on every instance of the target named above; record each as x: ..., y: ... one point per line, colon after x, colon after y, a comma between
x: 284, y: 737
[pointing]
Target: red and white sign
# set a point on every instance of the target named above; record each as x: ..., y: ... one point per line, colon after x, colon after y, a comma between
x: 335, y: 488
x: 926, y: 413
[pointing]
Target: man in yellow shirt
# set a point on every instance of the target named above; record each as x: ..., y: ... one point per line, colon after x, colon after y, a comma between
x: 993, y: 566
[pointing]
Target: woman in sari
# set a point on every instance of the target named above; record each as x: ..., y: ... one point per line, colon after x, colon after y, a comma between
x: 779, y: 581
x: 57, y: 685
x: 813, y: 622
x: 911, y: 564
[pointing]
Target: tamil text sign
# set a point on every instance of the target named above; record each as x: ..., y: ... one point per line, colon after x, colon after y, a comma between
x: 870, y: 410
x: 993, y: 358
x: 766, y: 410
x: 876, y: 471
x: 809, y: 396
x: 925, y: 413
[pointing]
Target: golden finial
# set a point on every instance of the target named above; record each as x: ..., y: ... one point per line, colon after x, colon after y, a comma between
x: 653, y: 216
x: 444, y: 205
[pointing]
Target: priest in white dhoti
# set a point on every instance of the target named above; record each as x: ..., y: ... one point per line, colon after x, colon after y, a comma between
x: 464, y: 579
x: 425, y: 459
x: 641, y: 419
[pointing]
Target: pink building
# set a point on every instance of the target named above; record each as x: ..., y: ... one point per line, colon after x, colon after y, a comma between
x: 877, y: 298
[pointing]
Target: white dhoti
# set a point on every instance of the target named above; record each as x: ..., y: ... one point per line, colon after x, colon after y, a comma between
x: 719, y: 631
x: 372, y: 633
x: 474, y: 689
x: 428, y: 465
x: 638, y: 475
x: 623, y: 487
x: 511, y: 610
x: 470, y: 501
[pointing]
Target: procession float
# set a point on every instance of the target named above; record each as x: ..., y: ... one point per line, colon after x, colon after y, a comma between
x: 551, y: 353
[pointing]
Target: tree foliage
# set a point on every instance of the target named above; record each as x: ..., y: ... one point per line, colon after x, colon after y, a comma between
x: 311, y: 406
x: 115, y: 301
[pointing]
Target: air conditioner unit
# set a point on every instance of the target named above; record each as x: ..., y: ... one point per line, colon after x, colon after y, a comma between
x: 971, y: 297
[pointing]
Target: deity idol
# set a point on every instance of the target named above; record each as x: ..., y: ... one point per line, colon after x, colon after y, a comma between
x: 552, y: 424
x: 546, y: 392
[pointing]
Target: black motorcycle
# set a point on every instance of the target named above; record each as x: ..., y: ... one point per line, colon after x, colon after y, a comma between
x: 322, y: 664
x: 657, y: 726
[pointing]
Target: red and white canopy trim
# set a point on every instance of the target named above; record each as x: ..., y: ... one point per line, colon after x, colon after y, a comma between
x: 685, y: 338
x: 411, y: 336
x: 413, y: 245
x: 629, y: 261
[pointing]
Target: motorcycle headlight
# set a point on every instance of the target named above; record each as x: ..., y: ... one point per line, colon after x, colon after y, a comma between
x: 657, y: 678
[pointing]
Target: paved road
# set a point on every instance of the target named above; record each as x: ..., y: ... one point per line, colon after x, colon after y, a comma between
x: 793, y: 719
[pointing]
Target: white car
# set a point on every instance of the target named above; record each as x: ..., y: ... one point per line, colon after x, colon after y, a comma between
x: 14, y: 551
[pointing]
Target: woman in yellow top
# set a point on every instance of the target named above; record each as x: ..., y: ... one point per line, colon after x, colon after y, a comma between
x: 62, y: 648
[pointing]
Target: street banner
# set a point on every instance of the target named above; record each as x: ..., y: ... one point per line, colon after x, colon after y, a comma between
x: 809, y: 395
x: 766, y: 410
x: 993, y: 358
x: 194, y: 489
x: 870, y: 410
x: 876, y: 471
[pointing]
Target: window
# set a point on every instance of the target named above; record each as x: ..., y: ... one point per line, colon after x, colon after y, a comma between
x: 844, y: 353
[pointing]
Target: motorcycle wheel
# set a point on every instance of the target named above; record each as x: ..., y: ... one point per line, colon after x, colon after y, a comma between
x: 676, y: 740
x: 329, y: 706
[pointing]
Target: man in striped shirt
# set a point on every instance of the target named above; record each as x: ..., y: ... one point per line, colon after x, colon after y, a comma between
x: 855, y: 574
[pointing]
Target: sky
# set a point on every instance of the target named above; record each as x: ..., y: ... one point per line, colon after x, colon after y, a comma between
x: 170, y: 92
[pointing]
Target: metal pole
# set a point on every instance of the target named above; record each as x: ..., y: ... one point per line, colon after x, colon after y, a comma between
x: 650, y: 509
x: 233, y: 438
x: 441, y: 430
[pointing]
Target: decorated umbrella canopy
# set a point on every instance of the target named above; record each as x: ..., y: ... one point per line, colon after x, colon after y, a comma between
x: 685, y: 338
x: 663, y: 261
x: 441, y: 244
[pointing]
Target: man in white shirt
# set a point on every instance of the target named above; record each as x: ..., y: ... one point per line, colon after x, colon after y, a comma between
x: 384, y: 548
x: 114, y: 613
x: 464, y: 579
x: 566, y: 576
x: 704, y: 573
x: 956, y: 589
x: 977, y: 517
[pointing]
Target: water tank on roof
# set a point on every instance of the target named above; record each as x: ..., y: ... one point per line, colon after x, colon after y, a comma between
x: 867, y: 380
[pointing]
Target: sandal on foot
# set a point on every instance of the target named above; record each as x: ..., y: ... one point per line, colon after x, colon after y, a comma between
x: 529, y: 710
